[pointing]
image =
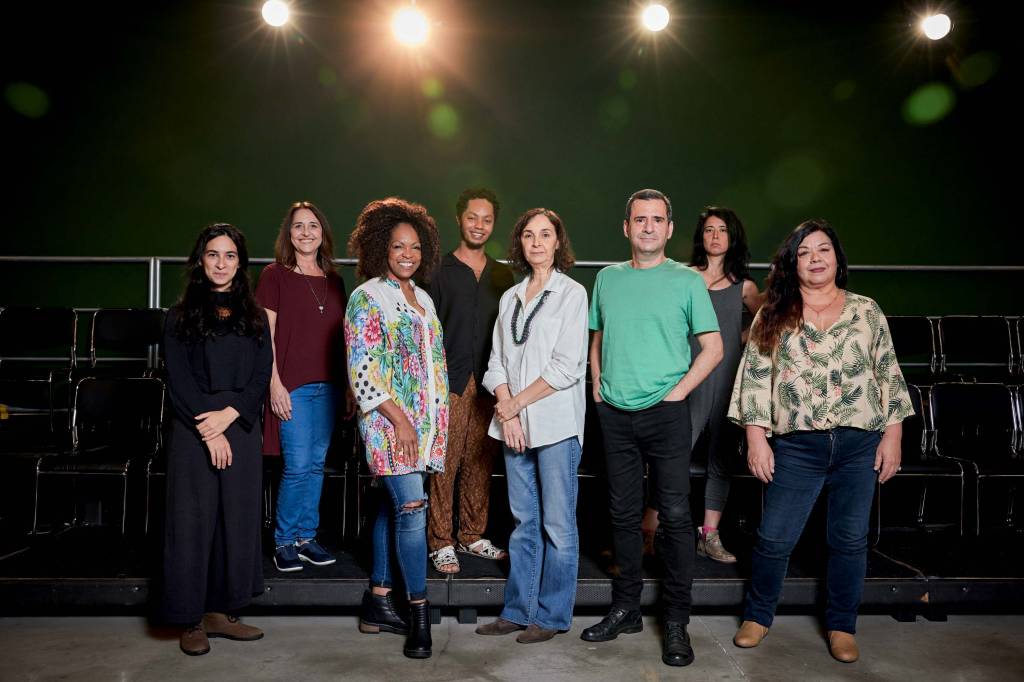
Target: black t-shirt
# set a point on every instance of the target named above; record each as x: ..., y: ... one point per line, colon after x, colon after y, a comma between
x: 467, y: 310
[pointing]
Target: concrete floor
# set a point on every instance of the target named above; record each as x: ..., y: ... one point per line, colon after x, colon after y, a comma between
x: 322, y: 648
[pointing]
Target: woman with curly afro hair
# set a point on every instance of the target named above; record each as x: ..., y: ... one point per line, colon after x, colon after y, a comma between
x: 398, y: 373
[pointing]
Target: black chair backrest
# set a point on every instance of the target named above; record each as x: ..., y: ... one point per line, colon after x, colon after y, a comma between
x: 975, y: 340
x: 27, y: 332
x: 118, y: 412
x: 913, y: 337
x: 973, y: 421
x: 915, y: 428
x: 121, y: 330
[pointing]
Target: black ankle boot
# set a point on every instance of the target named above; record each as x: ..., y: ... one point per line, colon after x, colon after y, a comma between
x: 417, y: 644
x: 379, y: 615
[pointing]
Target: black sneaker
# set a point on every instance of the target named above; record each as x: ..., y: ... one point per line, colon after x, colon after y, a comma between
x: 676, y: 649
x: 312, y: 552
x: 618, y: 622
x: 286, y: 558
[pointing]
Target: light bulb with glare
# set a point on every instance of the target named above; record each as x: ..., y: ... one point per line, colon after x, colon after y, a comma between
x: 275, y: 12
x: 410, y: 26
x: 936, y: 26
x: 655, y: 17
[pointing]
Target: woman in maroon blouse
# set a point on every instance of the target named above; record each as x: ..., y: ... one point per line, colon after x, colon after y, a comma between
x: 305, y: 302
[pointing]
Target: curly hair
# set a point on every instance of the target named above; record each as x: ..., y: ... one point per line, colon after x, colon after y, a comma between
x: 737, y: 257
x: 476, y: 193
x: 564, y: 257
x: 783, y: 304
x: 371, y: 238
x: 284, y: 251
x: 197, y: 315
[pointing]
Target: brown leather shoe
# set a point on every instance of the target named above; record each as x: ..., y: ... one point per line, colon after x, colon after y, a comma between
x: 534, y: 634
x: 229, y: 627
x: 843, y: 646
x: 749, y: 635
x: 499, y: 627
x: 194, y: 642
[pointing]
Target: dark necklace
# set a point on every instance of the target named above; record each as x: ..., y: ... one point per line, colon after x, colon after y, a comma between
x: 319, y: 304
x: 526, y: 326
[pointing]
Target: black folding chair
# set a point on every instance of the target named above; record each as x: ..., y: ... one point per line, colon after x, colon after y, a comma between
x: 913, y: 337
x: 125, y: 340
x: 976, y: 348
x: 115, y: 424
x: 976, y: 424
x: 921, y: 467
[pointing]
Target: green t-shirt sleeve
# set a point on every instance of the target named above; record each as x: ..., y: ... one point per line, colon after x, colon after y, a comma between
x: 702, y: 313
x: 596, y: 323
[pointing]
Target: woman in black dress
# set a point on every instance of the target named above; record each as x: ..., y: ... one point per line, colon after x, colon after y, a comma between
x: 219, y: 360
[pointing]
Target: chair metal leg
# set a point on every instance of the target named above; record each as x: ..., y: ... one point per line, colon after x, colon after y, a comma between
x: 124, y: 502
x: 35, y: 499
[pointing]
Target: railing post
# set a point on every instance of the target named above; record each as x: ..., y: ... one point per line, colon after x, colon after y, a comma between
x: 153, y: 301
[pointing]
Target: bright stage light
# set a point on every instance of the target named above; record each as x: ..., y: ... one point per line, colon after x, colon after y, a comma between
x: 275, y: 13
x: 410, y: 26
x: 936, y: 26
x: 655, y: 17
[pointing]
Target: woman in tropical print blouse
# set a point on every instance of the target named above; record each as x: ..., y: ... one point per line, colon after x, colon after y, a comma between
x: 819, y: 376
x: 398, y: 374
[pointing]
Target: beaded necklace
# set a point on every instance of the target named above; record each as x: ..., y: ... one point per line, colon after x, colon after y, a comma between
x: 526, y: 325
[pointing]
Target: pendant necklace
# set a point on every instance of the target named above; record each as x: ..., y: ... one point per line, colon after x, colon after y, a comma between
x: 320, y: 305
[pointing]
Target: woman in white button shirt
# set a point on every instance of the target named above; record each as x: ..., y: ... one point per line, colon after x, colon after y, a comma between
x: 536, y: 371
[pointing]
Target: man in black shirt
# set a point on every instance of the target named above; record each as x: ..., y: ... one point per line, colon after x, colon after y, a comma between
x: 466, y: 288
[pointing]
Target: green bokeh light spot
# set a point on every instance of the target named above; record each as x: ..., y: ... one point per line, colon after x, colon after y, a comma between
x: 978, y: 69
x: 795, y: 181
x: 443, y: 121
x: 614, y: 113
x: 844, y: 90
x: 928, y: 104
x: 27, y: 100
x: 627, y: 79
x: 327, y: 77
x: 432, y: 88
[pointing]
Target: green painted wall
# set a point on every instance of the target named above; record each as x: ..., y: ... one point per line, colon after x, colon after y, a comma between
x: 125, y: 133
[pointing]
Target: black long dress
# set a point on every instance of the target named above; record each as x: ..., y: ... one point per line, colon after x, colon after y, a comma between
x: 212, y: 551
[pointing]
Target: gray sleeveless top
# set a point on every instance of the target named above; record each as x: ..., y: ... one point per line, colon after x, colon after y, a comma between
x: 710, y: 400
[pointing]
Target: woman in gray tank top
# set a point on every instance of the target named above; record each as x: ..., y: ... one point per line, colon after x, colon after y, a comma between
x: 721, y: 256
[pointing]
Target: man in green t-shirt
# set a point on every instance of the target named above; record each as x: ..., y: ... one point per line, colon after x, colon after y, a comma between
x: 642, y: 312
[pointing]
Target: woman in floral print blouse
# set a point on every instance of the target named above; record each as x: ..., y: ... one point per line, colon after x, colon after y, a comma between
x: 819, y: 376
x: 397, y: 370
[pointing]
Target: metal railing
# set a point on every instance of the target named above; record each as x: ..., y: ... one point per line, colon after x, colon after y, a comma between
x: 155, y: 263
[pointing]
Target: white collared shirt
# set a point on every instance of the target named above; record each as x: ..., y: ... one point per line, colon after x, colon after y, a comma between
x: 555, y: 350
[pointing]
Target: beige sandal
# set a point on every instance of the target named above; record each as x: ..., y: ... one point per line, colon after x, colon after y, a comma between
x: 445, y: 561
x: 484, y: 549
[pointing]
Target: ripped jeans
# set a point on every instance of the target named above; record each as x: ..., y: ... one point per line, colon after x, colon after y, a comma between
x: 407, y: 525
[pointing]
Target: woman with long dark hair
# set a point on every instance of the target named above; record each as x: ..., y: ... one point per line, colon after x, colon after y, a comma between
x: 819, y: 377
x: 396, y: 364
x: 536, y: 371
x: 305, y: 302
x: 218, y: 356
x: 721, y: 256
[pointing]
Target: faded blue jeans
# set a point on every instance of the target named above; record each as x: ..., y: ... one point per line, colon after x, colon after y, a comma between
x: 405, y: 528
x: 305, y: 439
x: 544, y: 547
x: 840, y: 460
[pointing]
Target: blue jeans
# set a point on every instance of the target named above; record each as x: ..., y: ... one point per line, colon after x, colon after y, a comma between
x: 304, y: 442
x: 544, y: 548
x: 408, y: 526
x: 805, y: 461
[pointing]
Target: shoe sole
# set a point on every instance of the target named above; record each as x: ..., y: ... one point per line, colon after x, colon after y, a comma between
x: 631, y: 630
x: 287, y: 570
x: 376, y: 628
x: 195, y: 653
x: 234, y: 638
x: 416, y: 654
x: 303, y: 557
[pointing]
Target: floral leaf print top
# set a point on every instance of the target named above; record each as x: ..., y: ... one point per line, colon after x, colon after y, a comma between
x: 394, y: 352
x: 846, y: 375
